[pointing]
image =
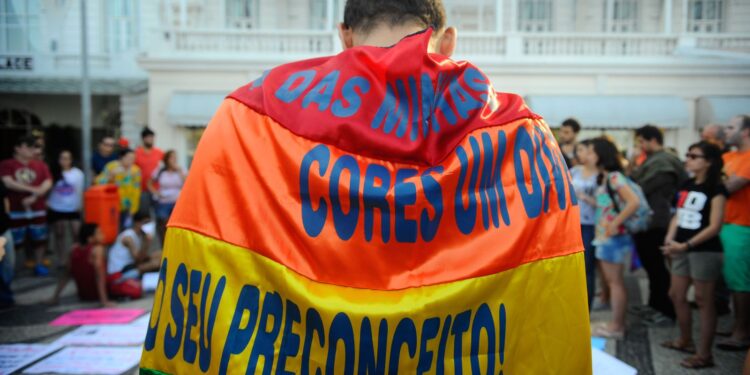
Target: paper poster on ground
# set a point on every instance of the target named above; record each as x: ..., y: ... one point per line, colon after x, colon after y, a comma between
x: 16, y: 356
x: 104, y: 335
x: 97, y: 316
x: 85, y: 360
x: 605, y: 364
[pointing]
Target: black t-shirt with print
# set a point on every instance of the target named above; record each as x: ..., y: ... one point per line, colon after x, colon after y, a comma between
x: 693, y: 204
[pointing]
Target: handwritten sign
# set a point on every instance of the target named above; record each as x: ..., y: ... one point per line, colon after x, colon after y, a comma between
x: 97, y: 316
x: 17, y: 356
x: 83, y: 360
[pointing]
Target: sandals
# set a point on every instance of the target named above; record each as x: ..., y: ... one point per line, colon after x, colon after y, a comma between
x: 680, y: 347
x: 733, y: 345
x: 695, y: 362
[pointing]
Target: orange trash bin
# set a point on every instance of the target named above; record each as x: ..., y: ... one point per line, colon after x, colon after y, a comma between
x: 102, y: 207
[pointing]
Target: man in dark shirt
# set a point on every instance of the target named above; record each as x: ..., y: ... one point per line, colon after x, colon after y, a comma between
x: 104, y: 154
x: 659, y: 177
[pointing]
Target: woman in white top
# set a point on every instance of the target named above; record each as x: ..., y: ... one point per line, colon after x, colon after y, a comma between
x: 64, y: 203
x: 165, y: 184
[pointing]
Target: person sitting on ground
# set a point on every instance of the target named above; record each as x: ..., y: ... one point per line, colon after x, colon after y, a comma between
x: 86, y: 266
x: 129, y: 257
x: 692, y: 243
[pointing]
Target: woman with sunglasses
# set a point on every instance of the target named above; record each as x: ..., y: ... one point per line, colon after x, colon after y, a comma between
x: 692, y: 243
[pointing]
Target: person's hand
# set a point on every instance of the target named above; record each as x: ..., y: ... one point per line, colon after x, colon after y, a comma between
x: 673, y: 248
x: 28, y: 201
x: 612, y: 229
x: 3, y: 240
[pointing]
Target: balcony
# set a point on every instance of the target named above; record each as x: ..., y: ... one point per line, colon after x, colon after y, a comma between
x: 293, y: 44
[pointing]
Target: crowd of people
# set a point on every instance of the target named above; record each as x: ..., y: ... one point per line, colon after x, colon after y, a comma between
x: 42, y: 209
x: 689, y: 224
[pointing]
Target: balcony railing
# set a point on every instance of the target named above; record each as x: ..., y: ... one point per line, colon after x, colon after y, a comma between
x: 724, y: 42
x: 293, y: 43
x: 636, y: 45
x: 306, y: 42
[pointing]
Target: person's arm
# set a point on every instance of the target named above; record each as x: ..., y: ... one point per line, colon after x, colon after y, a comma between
x: 631, y: 205
x: 656, y: 182
x: 151, y: 187
x: 130, y: 245
x: 44, y: 187
x: 734, y: 183
x: 672, y: 230
x: 97, y: 260
x: 12, y: 184
x: 712, y: 230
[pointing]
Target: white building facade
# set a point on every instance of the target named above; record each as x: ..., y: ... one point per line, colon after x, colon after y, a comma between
x: 613, y: 64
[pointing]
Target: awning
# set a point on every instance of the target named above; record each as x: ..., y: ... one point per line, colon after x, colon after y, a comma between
x: 720, y: 109
x: 194, y: 108
x: 612, y: 112
x: 28, y: 85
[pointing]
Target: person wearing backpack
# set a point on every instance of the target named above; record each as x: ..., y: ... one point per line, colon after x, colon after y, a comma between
x: 659, y: 177
x: 612, y: 241
x: 692, y: 243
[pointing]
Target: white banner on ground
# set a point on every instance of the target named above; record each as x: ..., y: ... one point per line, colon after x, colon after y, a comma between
x: 605, y: 364
x: 85, y: 360
x: 14, y: 357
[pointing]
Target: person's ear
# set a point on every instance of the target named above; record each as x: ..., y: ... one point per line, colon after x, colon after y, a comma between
x: 346, y: 36
x: 446, y: 44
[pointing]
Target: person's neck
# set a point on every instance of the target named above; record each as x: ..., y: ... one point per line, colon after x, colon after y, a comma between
x: 744, y: 146
x: 384, y: 35
x: 65, y: 169
x: 148, y: 148
x: 22, y: 159
x: 700, y: 177
x: 590, y: 168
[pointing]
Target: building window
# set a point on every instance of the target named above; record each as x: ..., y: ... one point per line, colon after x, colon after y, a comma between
x: 123, y: 24
x: 242, y: 14
x: 535, y: 15
x: 318, y: 19
x: 624, y: 16
x: 705, y: 16
x: 19, y: 25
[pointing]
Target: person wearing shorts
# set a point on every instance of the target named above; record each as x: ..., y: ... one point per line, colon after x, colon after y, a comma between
x: 693, y: 246
x: 612, y: 241
x: 28, y: 180
x: 735, y: 233
x: 64, y: 204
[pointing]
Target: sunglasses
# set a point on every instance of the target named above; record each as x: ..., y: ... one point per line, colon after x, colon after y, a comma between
x: 694, y: 156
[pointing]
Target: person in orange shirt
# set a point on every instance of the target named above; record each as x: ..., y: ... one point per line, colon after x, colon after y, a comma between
x: 735, y: 234
x: 147, y: 158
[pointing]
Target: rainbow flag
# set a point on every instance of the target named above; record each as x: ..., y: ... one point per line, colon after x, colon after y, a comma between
x: 381, y: 210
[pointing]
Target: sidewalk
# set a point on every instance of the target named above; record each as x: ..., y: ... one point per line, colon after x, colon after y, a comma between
x: 27, y: 322
x: 641, y: 347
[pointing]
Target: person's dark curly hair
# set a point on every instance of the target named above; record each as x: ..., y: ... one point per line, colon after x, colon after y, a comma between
x: 364, y: 15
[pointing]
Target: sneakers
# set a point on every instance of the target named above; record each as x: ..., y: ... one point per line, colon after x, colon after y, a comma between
x: 40, y: 270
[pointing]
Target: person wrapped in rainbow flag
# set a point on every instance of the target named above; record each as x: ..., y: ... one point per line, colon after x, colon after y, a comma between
x: 380, y: 209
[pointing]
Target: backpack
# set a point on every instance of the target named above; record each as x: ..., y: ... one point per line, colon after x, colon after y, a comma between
x: 641, y: 219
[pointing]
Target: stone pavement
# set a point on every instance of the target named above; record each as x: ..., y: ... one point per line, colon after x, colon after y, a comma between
x: 27, y: 322
x: 641, y: 347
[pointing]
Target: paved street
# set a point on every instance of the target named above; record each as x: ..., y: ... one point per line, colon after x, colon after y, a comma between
x: 28, y: 323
